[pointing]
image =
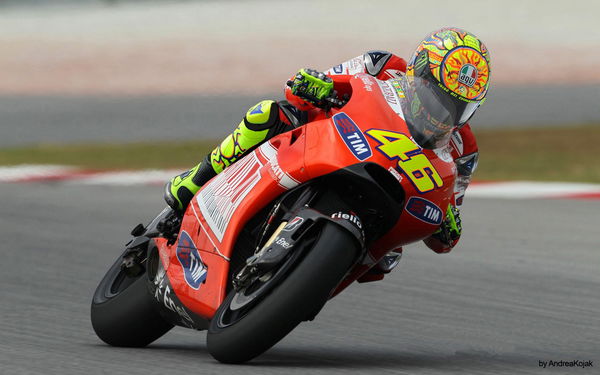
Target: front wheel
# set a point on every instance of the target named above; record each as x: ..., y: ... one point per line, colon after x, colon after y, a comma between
x: 123, y: 311
x: 235, y: 338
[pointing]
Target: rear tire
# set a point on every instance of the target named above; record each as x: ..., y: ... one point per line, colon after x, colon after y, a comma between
x: 123, y: 311
x: 297, y: 298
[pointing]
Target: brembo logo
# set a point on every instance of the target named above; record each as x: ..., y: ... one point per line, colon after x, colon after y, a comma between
x: 293, y: 224
x: 352, y: 136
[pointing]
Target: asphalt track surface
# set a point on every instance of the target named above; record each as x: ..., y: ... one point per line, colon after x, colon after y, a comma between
x: 32, y: 120
x: 522, y: 287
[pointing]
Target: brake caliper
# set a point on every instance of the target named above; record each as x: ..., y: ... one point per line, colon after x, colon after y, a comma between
x: 275, y: 250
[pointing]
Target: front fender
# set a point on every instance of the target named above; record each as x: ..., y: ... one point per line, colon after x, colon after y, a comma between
x: 367, y: 190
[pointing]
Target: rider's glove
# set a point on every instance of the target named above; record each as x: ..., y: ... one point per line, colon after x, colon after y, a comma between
x: 451, y: 228
x: 311, y: 86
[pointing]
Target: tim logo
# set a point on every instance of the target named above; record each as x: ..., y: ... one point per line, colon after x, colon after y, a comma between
x: 424, y: 210
x: 352, y: 136
x: 194, y: 271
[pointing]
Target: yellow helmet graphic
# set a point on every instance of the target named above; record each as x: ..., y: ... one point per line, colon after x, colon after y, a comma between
x: 446, y: 80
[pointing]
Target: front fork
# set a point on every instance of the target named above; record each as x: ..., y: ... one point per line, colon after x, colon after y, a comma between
x: 283, y: 241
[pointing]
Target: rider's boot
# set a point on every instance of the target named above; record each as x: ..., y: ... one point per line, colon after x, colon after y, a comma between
x: 180, y: 190
x: 261, y: 122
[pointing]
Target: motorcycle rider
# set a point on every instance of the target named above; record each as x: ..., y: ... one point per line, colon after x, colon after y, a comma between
x: 442, y: 85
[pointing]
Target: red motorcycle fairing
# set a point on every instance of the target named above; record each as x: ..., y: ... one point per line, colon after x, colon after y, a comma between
x: 370, y: 128
x: 217, y: 214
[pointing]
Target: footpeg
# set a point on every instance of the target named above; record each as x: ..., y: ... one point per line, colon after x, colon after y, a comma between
x: 138, y: 230
x: 169, y: 227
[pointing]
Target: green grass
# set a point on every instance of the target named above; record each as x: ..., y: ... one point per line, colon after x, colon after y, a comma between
x: 112, y: 156
x: 551, y: 154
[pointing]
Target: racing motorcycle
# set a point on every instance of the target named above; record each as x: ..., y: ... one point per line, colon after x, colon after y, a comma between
x: 266, y: 243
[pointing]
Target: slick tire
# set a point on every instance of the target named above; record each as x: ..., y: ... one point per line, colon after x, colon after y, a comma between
x: 127, y: 315
x: 297, y: 298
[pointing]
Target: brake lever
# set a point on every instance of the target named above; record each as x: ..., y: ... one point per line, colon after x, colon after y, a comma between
x: 336, y: 102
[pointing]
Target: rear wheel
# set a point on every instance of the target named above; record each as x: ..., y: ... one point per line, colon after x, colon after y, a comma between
x: 123, y: 311
x: 251, y: 321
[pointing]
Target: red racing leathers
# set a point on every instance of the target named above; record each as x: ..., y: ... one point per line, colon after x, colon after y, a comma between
x: 384, y: 65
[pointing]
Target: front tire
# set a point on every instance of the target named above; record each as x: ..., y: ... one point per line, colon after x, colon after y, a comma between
x: 297, y: 298
x: 123, y: 311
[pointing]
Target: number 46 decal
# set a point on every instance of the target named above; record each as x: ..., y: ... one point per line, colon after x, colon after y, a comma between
x: 411, y: 160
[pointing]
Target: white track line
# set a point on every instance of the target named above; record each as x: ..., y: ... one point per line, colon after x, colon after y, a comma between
x: 70, y: 175
x: 126, y: 178
x: 529, y: 189
x: 29, y: 172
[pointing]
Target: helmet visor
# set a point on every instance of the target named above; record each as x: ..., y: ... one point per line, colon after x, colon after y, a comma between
x: 433, y: 113
x: 466, y: 111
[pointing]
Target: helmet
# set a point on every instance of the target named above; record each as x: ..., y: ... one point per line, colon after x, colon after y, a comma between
x: 446, y: 80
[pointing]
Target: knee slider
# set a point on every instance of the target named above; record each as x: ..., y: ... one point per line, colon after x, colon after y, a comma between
x: 262, y: 116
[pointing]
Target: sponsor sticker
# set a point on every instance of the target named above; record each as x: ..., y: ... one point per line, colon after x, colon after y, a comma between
x: 391, y: 97
x: 283, y: 179
x: 293, y: 224
x: 395, y: 173
x: 397, y: 87
x: 257, y: 109
x: 338, y: 69
x: 348, y: 216
x: 375, y: 60
x: 394, y: 73
x: 468, y: 75
x: 220, y: 198
x: 457, y: 143
x: 282, y: 242
x: 444, y: 154
x: 355, y: 65
x: 352, y: 135
x: 368, y: 82
x: 163, y: 295
x: 424, y: 210
x: 194, y: 271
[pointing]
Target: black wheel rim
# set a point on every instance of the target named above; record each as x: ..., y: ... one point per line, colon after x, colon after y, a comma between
x: 115, y: 282
x: 120, y: 283
x: 245, y: 300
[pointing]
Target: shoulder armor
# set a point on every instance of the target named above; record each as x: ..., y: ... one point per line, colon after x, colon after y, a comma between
x: 375, y: 61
